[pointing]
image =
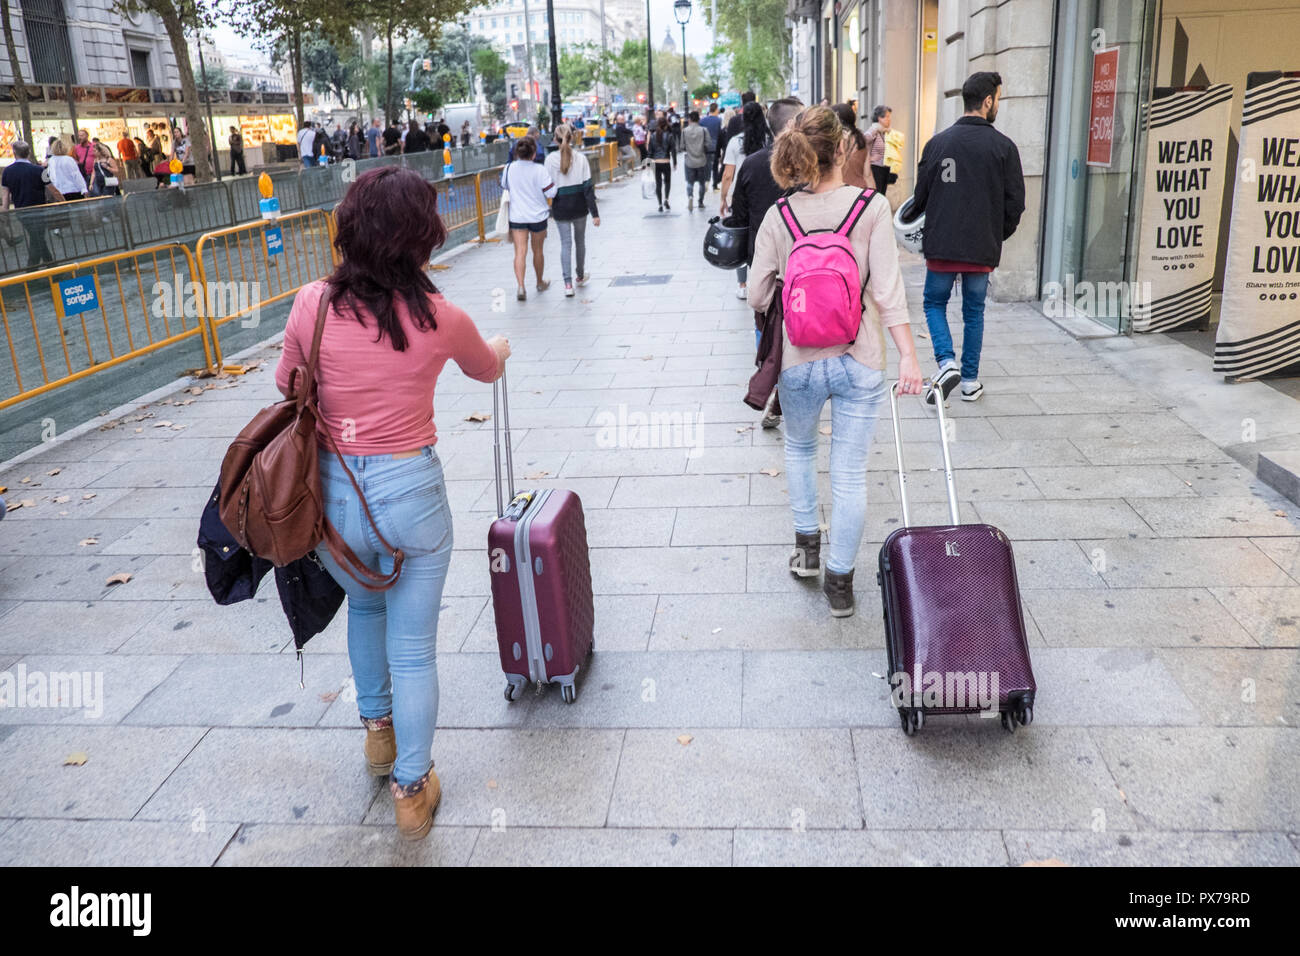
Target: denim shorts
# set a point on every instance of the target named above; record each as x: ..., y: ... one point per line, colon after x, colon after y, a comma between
x: 531, y: 226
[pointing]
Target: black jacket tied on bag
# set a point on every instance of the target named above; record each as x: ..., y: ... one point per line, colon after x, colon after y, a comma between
x: 309, y: 596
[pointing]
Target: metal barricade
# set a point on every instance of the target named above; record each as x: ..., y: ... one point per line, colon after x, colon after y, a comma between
x: 244, y: 269
x: 322, y: 187
x: 70, y: 321
x: 165, y: 215
x: 37, y: 237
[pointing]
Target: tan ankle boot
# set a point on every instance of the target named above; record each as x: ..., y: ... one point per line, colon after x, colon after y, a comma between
x: 415, y: 805
x: 381, y: 745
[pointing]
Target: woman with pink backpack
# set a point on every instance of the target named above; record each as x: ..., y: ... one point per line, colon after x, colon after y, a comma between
x: 832, y: 248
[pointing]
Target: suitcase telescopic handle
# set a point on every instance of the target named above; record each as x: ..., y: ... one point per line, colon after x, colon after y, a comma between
x: 500, y: 406
x: 947, y: 458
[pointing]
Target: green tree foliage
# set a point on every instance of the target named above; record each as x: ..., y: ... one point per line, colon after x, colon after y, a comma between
x: 489, y: 65
x: 757, y: 41
x: 213, y: 79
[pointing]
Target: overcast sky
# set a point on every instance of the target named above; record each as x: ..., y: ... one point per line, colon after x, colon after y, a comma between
x: 698, y: 35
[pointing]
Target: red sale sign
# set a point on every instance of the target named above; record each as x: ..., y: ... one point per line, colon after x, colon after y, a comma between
x: 1101, y: 115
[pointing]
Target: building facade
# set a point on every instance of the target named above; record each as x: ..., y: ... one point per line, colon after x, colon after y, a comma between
x: 1091, y: 90
x: 508, y: 25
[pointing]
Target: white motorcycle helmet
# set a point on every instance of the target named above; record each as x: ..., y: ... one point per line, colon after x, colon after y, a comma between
x: 909, y: 227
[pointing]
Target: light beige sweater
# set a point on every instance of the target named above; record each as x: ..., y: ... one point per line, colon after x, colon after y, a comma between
x: 885, y: 302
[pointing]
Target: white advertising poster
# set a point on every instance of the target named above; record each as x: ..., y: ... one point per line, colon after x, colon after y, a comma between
x: 1259, y: 324
x: 1187, y: 144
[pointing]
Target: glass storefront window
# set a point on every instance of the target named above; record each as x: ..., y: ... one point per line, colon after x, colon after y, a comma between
x: 1089, y: 219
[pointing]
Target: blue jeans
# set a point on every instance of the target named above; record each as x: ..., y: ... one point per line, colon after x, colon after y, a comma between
x: 857, y: 394
x: 392, y: 635
x: 974, y: 287
x: 309, y: 161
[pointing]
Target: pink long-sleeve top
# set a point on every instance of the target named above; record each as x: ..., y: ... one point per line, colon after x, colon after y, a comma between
x: 373, y: 399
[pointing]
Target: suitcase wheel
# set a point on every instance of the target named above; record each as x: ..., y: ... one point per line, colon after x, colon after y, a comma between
x: 912, y: 720
x: 1008, y: 722
x: 569, y: 693
x: 514, y: 688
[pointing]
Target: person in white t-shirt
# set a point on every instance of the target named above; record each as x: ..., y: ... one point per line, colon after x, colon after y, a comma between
x: 529, y: 185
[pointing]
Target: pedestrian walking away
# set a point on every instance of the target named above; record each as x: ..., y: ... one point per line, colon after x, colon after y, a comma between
x: 856, y: 171
x: 850, y: 371
x: 530, y: 186
x: 754, y: 193
x: 966, y: 222
x: 387, y: 335
x: 129, y: 154
x: 373, y: 134
x: 695, y: 149
x: 662, y: 149
x: 237, y: 166
x: 639, y: 138
x: 753, y: 136
x: 26, y: 184
x: 65, y: 172
x: 713, y: 124
x: 575, y: 199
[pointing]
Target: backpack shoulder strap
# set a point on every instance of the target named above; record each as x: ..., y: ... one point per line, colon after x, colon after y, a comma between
x: 787, y: 216
x: 855, y: 212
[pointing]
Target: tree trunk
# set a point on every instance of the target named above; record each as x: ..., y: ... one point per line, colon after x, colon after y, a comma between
x: 388, y: 96
x: 364, y: 29
x: 295, y: 66
x: 20, y: 84
x: 200, y: 141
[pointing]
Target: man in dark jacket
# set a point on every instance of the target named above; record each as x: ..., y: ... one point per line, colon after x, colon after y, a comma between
x: 755, y: 193
x: 970, y: 186
x: 735, y: 127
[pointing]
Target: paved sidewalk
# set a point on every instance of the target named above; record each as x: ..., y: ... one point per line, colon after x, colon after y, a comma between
x: 726, y: 719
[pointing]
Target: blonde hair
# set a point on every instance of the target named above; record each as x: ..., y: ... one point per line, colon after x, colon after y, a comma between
x: 564, y: 136
x: 807, y: 148
x: 58, y: 148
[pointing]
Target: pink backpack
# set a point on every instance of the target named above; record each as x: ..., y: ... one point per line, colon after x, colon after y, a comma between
x: 823, y: 288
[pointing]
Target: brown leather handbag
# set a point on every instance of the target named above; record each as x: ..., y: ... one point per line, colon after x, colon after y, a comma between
x: 270, y: 481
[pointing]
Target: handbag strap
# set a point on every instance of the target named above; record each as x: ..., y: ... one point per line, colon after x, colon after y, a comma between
x: 365, y: 576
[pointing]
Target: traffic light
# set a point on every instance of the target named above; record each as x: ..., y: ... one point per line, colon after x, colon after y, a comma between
x: 514, y: 104
x: 715, y: 94
x: 640, y: 97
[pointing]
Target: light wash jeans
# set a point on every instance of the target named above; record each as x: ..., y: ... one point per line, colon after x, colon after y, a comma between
x: 573, y: 232
x: 857, y: 394
x: 392, y: 635
x: 934, y: 298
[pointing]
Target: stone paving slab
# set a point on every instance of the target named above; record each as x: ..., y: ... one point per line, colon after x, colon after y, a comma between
x: 272, y: 844
x: 561, y: 846
x: 1179, y: 848
x: 1202, y: 778
x: 869, y: 848
x: 1232, y: 686
x: 117, y: 843
x: 93, y: 689
x: 1271, y: 615
x: 123, y: 767
x: 1133, y: 617
x: 72, y: 627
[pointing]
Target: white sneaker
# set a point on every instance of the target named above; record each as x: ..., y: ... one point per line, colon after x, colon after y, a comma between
x: 971, y: 391
x: 945, y: 381
x: 741, y: 293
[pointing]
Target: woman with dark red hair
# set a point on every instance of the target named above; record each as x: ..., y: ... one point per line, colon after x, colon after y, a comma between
x: 388, y: 333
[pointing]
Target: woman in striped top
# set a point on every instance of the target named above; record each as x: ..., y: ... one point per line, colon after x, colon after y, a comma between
x: 575, y: 198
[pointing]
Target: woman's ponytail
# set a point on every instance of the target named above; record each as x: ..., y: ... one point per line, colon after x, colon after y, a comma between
x: 564, y: 132
x: 805, y: 151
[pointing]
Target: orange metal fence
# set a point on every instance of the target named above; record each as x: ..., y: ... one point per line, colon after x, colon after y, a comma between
x: 69, y: 321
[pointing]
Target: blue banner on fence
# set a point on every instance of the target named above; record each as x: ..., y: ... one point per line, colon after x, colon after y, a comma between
x: 274, y: 241
x: 78, y: 294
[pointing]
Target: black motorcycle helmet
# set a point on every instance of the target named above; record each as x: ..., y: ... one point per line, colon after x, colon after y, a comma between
x: 726, y: 247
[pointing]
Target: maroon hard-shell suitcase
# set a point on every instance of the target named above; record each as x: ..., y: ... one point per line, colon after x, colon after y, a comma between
x: 954, y: 628
x: 541, y: 578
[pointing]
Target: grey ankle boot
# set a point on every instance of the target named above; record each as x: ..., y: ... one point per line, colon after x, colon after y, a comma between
x: 839, y: 591
x: 805, y: 560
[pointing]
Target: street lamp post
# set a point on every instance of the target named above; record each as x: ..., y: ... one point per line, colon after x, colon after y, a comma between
x: 556, y: 109
x: 682, y: 11
x: 649, y: 61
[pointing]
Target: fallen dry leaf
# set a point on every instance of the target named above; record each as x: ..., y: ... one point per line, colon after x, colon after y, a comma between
x: 177, y: 428
x: 770, y: 472
x: 54, y: 471
x: 28, y: 502
x: 646, y: 358
x: 685, y: 739
x: 120, y: 578
x: 188, y: 401
x: 87, y: 542
x: 87, y: 496
x: 1280, y: 514
x: 745, y: 428
x: 195, y: 390
x: 25, y: 481
x: 139, y: 430
x: 477, y: 417
x: 75, y: 759
x: 12, y: 506
x: 330, y: 697
x: 492, y: 784
x: 162, y: 424
x: 60, y: 499
x: 538, y: 475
